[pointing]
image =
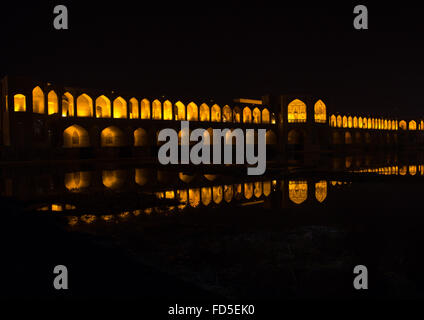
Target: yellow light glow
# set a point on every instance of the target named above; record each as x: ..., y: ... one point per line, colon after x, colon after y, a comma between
x: 298, y: 191
x: 84, y: 106
x: 75, y: 136
x: 120, y: 108
x: 321, y: 190
x: 37, y: 100
x: 320, y: 112
x: 296, y: 111
x: 19, y: 103
x: 103, y: 108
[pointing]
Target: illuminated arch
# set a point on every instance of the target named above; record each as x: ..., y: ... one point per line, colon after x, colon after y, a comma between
x: 216, y: 113
x: 247, y: 115
x: 265, y: 116
x: 348, y: 137
x: 84, y: 106
x: 296, y: 111
x: 113, y: 179
x: 52, y: 103
x: 103, y: 107
x: 349, y: 122
x: 364, y: 123
x: 192, y: 112
x: 67, y: 105
x: 402, y: 125
x: 385, y: 124
x: 360, y: 122
x: 227, y: 114
x: 237, y: 115
x: 134, y: 114
x: 393, y: 125
x: 112, y: 137
x: 333, y: 121
x: 355, y: 122
x: 369, y: 126
x: 141, y: 138
x: 412, y: 170
x: 321, y: 190
x: 412, y: 125
x: 204, y: 112
x: 145, y: 109
x: 344, y: 122
x: 180, y: 112
x: 320, y: 112
x: 339, y: 121
x: 157, y: 110
x: 37, y: 100
x: 167, y: 110
x: 298, y: 191
x: 19, y: 103
x: 75, y: 181
x: 120, y: 108
x: 75, y: 136
x: 256, y: 115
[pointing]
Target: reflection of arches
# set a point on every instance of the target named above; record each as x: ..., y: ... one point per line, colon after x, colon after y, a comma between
x: 266, y: 187
x: 145, y: 109
x: 296, y: 111
x: 167, y: 110
x: 321, y: 190
x: 84, y: 106
x: 295, y: 137
x: 227, y: 114
x: 348, y: 137
x: 402, y: 125
x: 228, y: 193
x: 216, y: 113
x: 179, y: 113
x: 37, y: 100
x: 206, y: 196
x: 237, y: 115
x: 119, y: 108
x: 412, y: 125
x: 217, y: 194
x: 19, y: 103
x: 320, y: 112
x: 192, y: 112
x: 75, y: 136
x: 141, y: 138
x: 157, y: 110
x: 257, y: 191
x: 52, y: 103
x: 333, y: 121
x: 247, y: 115
x: 298, y: 191
x: 204, y: 112
x: 103, y: 109
x: 67, y: 105
x: 265, y: 116
x: 134, y: 108
x: 112, y: 137
x: 271, y: 137
x: 248, y: 190
x: 194, y: 197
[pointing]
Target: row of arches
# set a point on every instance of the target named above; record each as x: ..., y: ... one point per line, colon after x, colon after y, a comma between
x: 296, y: 112
x: 102, y: 107
x: 373, y: 123
x: 76, y: 136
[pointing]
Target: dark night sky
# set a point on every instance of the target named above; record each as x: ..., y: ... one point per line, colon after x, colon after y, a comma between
x: 226, y: 53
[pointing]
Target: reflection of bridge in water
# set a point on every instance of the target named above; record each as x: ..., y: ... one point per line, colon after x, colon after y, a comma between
x: 190, y: 192
x: 42, y: 120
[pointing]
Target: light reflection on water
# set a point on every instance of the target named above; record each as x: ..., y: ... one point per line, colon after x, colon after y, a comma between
x: 190, y: 191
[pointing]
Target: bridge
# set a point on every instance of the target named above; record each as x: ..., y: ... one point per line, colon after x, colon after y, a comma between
x: 44, y: 119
